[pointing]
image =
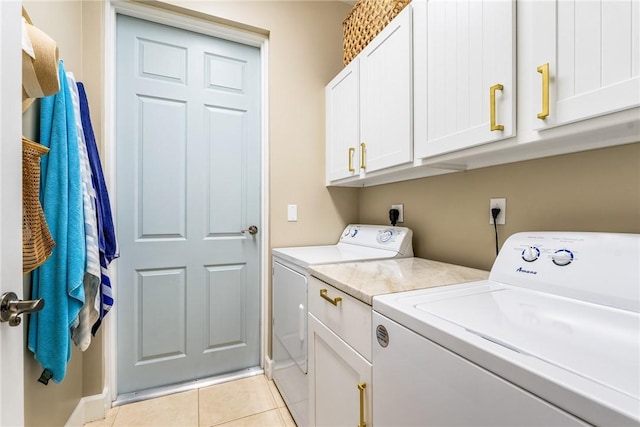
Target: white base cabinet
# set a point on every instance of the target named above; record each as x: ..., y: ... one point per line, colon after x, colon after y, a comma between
x: 340, y: 386
x: 337, y: 373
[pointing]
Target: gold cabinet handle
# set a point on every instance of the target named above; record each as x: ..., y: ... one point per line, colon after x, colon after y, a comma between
x: 351, y: 153
x: 362, y: 156
x: 544, y: 70
x: 334, y: 301
x: 492, y: 106
x: 361, y: 387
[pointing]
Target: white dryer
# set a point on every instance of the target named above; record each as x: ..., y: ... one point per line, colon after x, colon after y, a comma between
x: 289, y: 310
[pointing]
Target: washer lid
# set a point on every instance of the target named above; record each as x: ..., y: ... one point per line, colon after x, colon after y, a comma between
x: 580, y: 356
x: 596, y: 342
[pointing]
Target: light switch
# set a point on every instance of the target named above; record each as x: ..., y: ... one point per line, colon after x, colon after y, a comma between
x: 292, y: 213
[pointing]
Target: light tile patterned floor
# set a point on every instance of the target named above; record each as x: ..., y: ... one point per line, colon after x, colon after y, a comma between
x: 252, y: 401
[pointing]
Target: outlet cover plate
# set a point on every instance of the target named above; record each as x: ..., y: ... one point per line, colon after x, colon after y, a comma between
x: 502, y: 216
x: 400, y: 208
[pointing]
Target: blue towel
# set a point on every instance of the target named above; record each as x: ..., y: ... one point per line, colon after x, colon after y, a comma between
x: 106, y: 233
x: 60, y: 279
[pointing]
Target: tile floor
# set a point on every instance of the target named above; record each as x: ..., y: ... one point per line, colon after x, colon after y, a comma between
x: 252, y: 401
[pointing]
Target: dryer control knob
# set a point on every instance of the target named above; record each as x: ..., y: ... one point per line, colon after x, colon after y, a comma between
x: 384, y: 236
x: 530, y: 254
x: 562, y: 257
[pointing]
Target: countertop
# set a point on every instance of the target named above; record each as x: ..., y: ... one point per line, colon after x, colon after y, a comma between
x: 366, y: 279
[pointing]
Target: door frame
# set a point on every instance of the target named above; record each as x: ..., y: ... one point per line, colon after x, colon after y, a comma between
x: 207, y: 25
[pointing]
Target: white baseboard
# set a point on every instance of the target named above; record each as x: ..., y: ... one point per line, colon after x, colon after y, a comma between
x: 90, y: 408
x: 268, y: 367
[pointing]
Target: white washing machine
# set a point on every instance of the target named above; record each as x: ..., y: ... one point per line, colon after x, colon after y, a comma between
x: 289, y: 317
x: 551, y: 338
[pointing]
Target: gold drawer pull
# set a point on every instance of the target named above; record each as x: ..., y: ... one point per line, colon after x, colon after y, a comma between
x: 492, y: 101
x: 363, y: 148
x: 361, y: 387
x: 351, y: 153
x: 334, y: 301
x: 544, y: 70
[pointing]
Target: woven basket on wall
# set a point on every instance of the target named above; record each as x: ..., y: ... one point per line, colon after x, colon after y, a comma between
x: 37, y: 243
x: 365, y: 21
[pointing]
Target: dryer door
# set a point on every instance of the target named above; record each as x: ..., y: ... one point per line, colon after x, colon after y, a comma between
x: 290, y: 316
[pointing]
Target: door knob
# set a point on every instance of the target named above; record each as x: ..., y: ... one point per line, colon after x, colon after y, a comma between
x: 11, y: 308
x: 252, y: 229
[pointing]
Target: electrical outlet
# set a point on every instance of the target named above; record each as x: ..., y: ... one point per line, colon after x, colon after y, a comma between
x: 400, y: 208
x: 502, y: 216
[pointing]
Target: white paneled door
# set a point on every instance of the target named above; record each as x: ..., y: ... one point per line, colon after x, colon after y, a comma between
x: 188, y: 184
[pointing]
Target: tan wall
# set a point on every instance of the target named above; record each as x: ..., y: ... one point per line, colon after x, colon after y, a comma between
x: 305, y: 52
x: 54, y: 403
x: 92, y: 78
x: 74, y: 25
x: 449, y: 214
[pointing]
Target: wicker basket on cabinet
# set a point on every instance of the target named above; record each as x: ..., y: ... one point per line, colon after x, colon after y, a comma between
x: 365, y: 21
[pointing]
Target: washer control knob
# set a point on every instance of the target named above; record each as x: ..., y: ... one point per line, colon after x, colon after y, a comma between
x: 530, y: 253
x: 347, y: 231
x: 562, y: 257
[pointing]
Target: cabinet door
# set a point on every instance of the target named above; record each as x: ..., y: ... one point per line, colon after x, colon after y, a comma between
x: 592, y: 49
x: 470, y: 50
x: 343, y: 124
x: 335, y: 372
x: 386, y: 96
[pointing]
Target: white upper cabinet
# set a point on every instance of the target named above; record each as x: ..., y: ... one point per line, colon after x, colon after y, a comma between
x: 386, y: 96
x: 578, y: 84
x: 465, y: 61
x: 343, y: 124
x: 585, y: 59
x: 369, y: 121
